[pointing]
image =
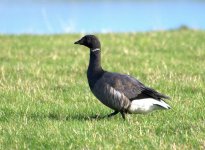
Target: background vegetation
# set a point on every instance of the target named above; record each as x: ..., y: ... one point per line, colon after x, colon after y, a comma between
x: 45, y: 101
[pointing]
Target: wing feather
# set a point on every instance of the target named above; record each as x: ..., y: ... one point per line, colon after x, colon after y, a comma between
x: 131, y: 87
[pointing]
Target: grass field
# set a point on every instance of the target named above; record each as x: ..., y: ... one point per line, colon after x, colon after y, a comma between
x: 45, y: 101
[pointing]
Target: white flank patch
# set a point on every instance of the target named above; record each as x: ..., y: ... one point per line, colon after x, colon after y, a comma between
x: 143, y: 106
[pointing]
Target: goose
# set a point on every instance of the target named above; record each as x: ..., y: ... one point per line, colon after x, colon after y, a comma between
x: 122, y: 93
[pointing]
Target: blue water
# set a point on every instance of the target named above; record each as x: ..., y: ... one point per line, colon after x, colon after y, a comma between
x: 50, y: 17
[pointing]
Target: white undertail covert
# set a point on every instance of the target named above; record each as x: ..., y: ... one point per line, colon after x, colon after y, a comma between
x: 144, y: 106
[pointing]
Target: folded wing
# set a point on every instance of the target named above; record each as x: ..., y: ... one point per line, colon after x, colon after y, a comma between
x: 131, y: 87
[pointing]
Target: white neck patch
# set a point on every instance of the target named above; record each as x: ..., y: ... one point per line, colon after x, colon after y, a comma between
x: 93, y: 50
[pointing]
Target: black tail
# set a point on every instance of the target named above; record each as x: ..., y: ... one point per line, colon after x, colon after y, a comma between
x: 151, y: 92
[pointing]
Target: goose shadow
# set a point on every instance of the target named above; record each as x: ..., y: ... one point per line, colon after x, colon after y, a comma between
x: 70, y: 117
x: 84, y: 117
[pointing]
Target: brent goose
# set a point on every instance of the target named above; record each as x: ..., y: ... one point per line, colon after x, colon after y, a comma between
x: 120, y: 92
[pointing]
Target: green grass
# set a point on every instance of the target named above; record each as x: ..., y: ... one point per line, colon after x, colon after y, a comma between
x: 45, y: 101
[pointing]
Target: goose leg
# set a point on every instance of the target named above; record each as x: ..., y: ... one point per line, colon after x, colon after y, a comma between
x: 114, y: 113
x: 123, y: 114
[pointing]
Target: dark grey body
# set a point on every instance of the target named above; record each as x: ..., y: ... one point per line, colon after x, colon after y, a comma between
x: 108, y: 94
x: 117, y: 91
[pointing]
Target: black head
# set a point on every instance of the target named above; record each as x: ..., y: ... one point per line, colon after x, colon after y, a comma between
x: 90, y: 41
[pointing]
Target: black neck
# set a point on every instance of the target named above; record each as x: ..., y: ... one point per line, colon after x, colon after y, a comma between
x: 95, y: 70
x: 95, y: 61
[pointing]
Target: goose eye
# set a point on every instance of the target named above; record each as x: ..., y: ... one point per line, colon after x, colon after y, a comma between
x: 88, y: 40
